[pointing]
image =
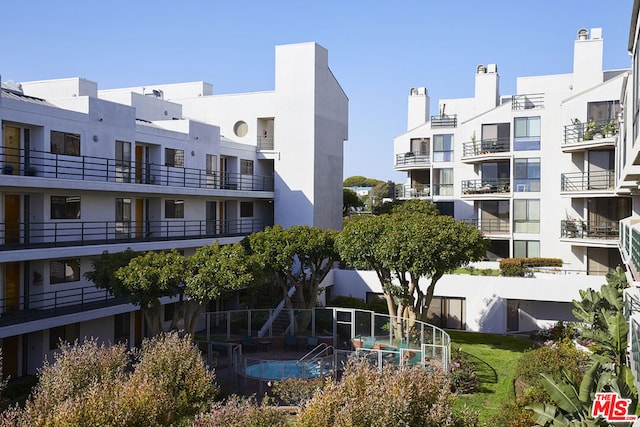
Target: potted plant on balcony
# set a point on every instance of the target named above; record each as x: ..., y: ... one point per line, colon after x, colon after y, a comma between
x: 7, y: 169
x: 610, y: 129
x: 30, y: 171
x: 589, y: 130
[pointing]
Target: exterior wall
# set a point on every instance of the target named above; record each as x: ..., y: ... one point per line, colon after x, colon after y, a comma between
x: 543, y: 300
x: 222, y: 172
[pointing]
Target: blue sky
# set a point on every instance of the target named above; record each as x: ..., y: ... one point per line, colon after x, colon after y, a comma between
x: 377, y: 50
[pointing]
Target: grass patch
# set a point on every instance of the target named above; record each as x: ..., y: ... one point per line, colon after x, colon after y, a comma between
x: 477, y: 271
x: 494, y: 357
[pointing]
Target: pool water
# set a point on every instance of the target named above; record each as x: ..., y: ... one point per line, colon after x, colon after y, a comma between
x: 271, y: 370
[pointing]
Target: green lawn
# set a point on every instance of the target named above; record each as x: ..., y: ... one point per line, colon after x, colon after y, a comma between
x: 495, y: 358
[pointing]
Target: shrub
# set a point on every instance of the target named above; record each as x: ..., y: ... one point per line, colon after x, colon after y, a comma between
x: 398, y: 396
x: 549, y: 359
x: 462, y: 375
x: 295, y: 391
x: 175, y: 366
x: 517, y: 267
x: 239, y: 412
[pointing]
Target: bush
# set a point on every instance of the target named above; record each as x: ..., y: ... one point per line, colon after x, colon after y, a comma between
x: 517, y: 267
x: 462, y: 375
x: 549, y: 359
x: 92, y: 384
x: 239, y: 412
x: 296, y: 391
x: 411, y: 396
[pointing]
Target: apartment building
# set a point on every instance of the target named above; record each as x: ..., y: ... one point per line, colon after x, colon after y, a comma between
x: 150, y: 168
x: 628, y: 180
x: 535, y: 172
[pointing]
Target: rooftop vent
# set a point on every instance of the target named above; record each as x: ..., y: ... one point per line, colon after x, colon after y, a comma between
x: 583, y: 34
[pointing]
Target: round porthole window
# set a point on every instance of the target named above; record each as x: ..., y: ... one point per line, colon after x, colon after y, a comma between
x: 240, y: 128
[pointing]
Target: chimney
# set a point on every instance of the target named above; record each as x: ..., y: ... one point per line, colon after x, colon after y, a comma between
x: 587, y: 59
x: 487, y: 96
x: 418, y: 112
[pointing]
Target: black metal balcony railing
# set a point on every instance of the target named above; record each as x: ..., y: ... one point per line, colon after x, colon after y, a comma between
x: 410, y: 158
x: 527, y: 101
x: 486, y: 186
x: 588, y: 181
x: 593, y: 130
x: 489, y: 226
x: 579, y: 229
x: 444, y: 121
x: 76, y: 233
x: 45, y: 305
x: 486, y: 146
x: 88, y: 168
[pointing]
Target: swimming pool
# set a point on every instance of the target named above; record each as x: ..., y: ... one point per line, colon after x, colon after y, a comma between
x: 273, y: 370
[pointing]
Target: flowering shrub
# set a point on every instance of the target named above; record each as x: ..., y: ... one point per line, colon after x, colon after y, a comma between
x: 239, y: 412
x: 411, y: 396
x: 462, y: 373
x: 91, y: 384
x: 295, y: 391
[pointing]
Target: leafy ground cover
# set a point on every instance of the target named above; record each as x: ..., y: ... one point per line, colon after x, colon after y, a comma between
x: 494, y: 357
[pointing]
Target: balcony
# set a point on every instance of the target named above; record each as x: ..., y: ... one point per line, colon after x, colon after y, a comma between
x: 413, y: 192
x: 489, y: 226
x: 597, y: 230
x: 45, y: 305
x: 444, y: 121
x: 603, y: 181
x: 410, y: 159
x: 630, y: 244
x: 527, y: 101
x: 442, y: 189
x: 486, y: 186
x: 591, y: 134
x: 486, y: 148
x: 35, y: 235
x: 100, y: 169
x: 265, y: 143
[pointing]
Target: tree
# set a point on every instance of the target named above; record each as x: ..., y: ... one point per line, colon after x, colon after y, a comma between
x: 145, y: 278
x: 149, y: 277
x: 299, y: 256
x: 360, y: 181
x: 410, y: 245
x: 350, y: 200
x: 213, y: 271
x: 383, y: 190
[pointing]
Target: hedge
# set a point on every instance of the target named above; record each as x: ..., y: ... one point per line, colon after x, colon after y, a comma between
x: 517, y: 267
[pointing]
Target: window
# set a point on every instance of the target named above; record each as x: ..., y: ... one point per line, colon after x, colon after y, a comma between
x: 443, y: 148
x: 212, y: 161
x: 65, y: 143
x: 65, y: 207
x: 526, y: 216
x: 527, y: 133
x: 66, y: 333
x: 443, y: 182
x: 246, y: 167
x: 173, y: 157
x: 121, y: 327
x: 123, y: 161
x: 64, y: 270
x: 174, y: 208
x: 527, y: 174
x: 420, y: 146
x: 526, y: 248
x: 603, y: 110
x: 123, y: 217
x: 246, y: 209
x: 494, y: 216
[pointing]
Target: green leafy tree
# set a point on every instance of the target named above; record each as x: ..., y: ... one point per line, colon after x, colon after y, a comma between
x: 360, y: 181
x: 410, y: 245
x: 213, y: 271
x: 149, y: 277
x: 350, y: 200
x: 299, y: 256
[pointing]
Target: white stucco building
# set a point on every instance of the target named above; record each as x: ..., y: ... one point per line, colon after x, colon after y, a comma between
x: 150, y: 168
x: 535, y: 172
